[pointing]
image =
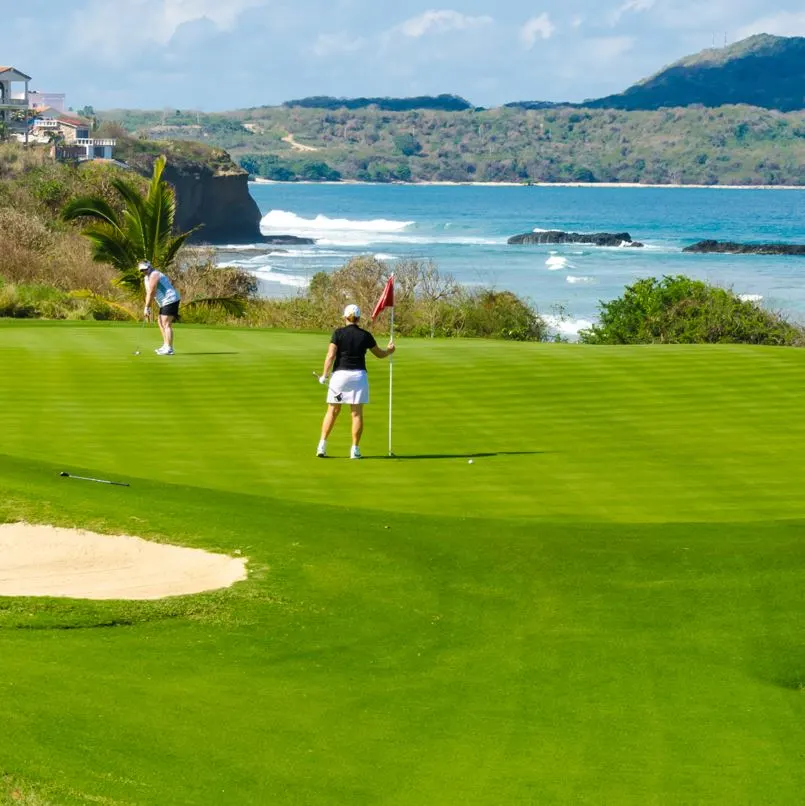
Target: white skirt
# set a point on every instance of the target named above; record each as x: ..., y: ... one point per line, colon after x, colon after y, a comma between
x: 349, y: 387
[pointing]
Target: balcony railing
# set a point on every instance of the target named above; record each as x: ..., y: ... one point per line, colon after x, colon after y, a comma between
x: 89, y: 141
x: 14, y: 102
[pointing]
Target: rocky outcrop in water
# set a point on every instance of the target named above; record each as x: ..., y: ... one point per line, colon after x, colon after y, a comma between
x: 593, y: 238
x: 732, y: 248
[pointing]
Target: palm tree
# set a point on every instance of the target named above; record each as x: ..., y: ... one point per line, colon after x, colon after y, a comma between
x: 142, y: 230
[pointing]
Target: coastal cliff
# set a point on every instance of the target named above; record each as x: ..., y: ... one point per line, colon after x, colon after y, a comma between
x: 219, y: 204
x: 212, y: 192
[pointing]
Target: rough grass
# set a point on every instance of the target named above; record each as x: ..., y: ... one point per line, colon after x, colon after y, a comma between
x: 605, y: 607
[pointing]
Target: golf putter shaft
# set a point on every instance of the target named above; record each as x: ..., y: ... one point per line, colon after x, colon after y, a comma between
x: 97, y: 481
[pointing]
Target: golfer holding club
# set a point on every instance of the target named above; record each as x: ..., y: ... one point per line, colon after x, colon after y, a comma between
x: 158, y: 287
x: 349, y: 383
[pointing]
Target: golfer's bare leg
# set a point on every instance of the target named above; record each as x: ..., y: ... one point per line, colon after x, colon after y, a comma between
x: 357, y: 423
x: 166, y: 324
x: 333, y: 410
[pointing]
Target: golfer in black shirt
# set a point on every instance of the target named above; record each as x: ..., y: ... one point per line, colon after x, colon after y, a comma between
x: 349, y: 384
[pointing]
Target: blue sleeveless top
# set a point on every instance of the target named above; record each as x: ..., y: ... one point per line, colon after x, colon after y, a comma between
x: 165, y: 293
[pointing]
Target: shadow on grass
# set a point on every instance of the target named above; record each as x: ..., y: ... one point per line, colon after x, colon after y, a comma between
x: 222, y: 352
x: 487, y: 455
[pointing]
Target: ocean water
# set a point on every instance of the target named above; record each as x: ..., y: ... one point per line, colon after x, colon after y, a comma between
x: 463, y: 229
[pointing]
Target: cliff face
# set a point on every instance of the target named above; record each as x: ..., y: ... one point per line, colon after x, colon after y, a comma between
x: 219, y: 203
x: 212, y: 193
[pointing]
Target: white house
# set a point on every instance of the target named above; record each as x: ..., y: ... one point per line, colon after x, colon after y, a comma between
x: 70, y: 136
x: 14, y: 100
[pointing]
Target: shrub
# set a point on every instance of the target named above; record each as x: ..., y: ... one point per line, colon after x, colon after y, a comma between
x: 47, y: 302
x: 678, y: 310
x: 426, y: 303
x: 498, y: 315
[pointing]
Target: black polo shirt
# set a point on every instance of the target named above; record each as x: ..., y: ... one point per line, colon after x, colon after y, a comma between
x: 352, y: 342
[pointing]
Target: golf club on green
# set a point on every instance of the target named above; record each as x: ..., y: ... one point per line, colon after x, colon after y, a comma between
x: 140, y: 335
x: 65, y: 474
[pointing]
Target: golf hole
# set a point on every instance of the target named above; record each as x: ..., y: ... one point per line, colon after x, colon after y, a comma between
x: 72, y: 563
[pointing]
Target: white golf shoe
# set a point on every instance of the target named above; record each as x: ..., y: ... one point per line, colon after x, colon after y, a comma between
x: 355, y: 453
x: 321, y: 451
x: 164, y: 350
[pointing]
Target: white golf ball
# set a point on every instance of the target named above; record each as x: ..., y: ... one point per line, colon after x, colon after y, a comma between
x: 470, y: 462
x: 136, y: 352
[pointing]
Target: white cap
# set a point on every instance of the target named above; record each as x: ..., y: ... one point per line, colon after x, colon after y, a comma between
x: 352, y: 312
x: 144, y: 265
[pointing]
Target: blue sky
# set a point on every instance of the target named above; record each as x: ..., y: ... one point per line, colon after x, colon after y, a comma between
x: 224, y: 54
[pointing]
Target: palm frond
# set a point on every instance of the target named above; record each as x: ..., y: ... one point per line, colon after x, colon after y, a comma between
x: 172, y: 248
x: 142, y: 230
x: 160, y: 203
x: 90, y: 207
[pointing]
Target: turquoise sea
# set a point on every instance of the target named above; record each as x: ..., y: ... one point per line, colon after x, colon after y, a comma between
x: 463, y: 229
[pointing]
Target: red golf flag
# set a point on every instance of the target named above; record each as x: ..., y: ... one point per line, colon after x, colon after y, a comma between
x: 386, y: 298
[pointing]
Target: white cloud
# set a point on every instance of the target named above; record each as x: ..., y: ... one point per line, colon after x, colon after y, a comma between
x: 336, y: 44
x: 630, y: 7
x: 539, y: 27
x: 223, y: 15
x: 577, y: 21
x: 113, y: 31
x: 786, y: 23
x: 605, y: 49
x: 437, y: 22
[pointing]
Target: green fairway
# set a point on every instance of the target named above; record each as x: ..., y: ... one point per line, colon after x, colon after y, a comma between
x: 605, y: 607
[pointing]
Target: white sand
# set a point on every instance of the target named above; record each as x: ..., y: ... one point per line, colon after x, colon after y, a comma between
x: 49, y: 561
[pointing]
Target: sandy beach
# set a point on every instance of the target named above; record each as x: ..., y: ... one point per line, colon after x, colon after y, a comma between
x: 632, y: 185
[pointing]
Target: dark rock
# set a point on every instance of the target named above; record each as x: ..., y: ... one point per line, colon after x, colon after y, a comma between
x: 731, y: 248
x: 286, y: 240
x: 593, y: 238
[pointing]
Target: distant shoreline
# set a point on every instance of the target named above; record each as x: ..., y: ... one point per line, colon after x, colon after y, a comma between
x: 261, y: 181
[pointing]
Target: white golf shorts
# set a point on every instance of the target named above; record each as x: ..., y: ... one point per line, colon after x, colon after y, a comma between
x: 348, y: 387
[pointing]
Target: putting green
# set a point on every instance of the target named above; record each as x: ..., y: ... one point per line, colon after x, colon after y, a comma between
x: 604, y: 607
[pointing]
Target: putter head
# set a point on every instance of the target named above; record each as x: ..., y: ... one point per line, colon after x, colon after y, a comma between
x: 64, y: 473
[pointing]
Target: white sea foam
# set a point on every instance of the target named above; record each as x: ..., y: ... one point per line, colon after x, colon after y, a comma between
x: 384, y: 256
x: 292, y: 224
x: 569, y: 328
x: 268, y: 275
x: 557, y: 263
x: 750, y: 297
x: 345, y: 232
x: 574, y: 280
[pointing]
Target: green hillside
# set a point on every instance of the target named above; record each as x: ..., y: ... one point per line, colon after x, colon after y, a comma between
x: 728, y: 145
x: 764, y: 71
x: 604, y: 607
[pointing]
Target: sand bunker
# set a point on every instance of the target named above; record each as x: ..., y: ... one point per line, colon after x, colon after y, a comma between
x: 48, y: 561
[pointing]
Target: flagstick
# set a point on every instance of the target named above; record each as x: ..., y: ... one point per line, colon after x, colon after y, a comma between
x: 391, y: 376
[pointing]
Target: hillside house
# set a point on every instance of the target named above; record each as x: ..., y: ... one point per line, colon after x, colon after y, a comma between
x: 70, y: 136
x: 14, y: 101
